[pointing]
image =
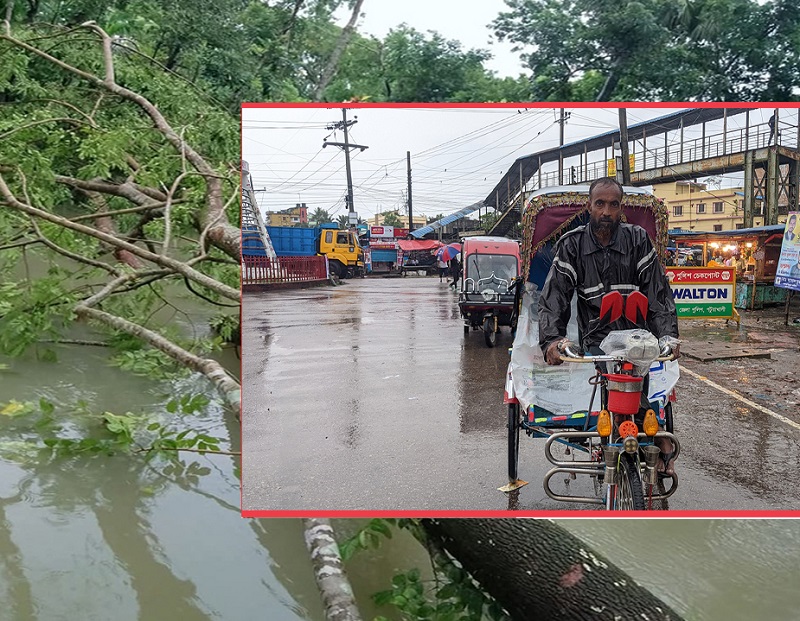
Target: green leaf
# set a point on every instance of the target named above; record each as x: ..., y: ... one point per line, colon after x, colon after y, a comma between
x: 172, y: 406
x: 382, y: 598
x: 381, y: 526
x: 399, y: 581
x: 448, y: 591
x: 46, y: 407
x: 153, y: 426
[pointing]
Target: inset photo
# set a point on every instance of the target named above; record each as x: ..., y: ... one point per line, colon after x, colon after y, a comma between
x: 519, y: 308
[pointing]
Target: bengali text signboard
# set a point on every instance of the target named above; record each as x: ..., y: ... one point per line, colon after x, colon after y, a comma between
x: 703, y: 292
x: 787, y: 275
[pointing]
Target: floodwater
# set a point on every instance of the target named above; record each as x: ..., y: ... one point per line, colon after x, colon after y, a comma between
x: 122, y: 537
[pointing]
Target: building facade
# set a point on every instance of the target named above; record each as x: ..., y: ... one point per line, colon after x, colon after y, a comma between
x: 377, y: 219
x: 294, y: 216
x: 692, y: 206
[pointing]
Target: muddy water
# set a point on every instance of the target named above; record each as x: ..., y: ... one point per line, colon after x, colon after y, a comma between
x: 121, y: 537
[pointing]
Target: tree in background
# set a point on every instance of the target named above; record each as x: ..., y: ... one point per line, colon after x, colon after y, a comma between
x: 488, y: 220
x: 320, y: 216
x: 656, y: 49
x: 408, y: 65
x: 390, y: 218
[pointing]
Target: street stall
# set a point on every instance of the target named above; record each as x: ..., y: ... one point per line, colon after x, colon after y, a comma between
x: 752, y: 253
x: 417, y: 255
x: 385, y: 256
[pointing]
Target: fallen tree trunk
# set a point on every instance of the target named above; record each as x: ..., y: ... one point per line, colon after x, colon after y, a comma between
x: 334, y: 587
x: 538, y: 571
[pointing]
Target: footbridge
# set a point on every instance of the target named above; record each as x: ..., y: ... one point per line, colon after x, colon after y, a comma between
x: 667, y: 149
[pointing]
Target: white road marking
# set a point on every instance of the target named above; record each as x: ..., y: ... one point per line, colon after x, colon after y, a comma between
x: 737, y: 396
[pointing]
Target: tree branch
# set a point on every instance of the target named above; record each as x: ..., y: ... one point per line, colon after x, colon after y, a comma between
x: 177, y: 266
x: 334, y: 587
x: 341, y: 44
x: 211, y: 369
x: 222, y: 234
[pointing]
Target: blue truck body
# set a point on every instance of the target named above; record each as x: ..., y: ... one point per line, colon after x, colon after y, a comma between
x: 290, y: 241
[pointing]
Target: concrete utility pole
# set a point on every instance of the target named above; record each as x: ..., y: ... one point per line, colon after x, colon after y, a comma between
x: 562, y: 120
x: 410, y: 209
x: 345, y: 146
x: 623, y: 144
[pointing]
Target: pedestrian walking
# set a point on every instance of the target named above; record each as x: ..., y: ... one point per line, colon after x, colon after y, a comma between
x: 772, y: 133
x: 455, y: 271
x: 442, y: 265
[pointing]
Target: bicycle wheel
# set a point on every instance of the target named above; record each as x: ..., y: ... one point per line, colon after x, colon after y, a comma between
x: 629, y: 492
x: 513, y: 441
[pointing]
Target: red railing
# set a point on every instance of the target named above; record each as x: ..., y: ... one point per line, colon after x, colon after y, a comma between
x: 262, y: 270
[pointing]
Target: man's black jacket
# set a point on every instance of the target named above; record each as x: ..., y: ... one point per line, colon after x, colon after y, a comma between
x: 628, y: 263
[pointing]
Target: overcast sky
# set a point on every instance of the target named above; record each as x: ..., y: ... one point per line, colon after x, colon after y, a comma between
x: 466, y: 21
x: 458, y: 155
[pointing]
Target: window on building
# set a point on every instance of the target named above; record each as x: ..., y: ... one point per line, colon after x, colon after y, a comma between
x: 717, y: 227
x: 718, y: 207
x: 701, y: 207
x: 740, y: 225
x: 677, y: 210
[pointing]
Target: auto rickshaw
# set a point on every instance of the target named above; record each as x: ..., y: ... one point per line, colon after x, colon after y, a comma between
x: 486, y: 300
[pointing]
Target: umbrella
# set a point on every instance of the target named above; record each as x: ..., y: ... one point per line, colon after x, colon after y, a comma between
x: 445, y: 253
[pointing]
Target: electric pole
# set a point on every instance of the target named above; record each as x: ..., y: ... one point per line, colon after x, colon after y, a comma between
x: 562, y: 120
x: 346, y: 146
x: 410, y: 210
x: 623, y: 145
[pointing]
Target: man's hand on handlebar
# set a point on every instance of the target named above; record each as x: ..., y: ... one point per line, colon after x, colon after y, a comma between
x: 670, y: 347
x: 556, y: 349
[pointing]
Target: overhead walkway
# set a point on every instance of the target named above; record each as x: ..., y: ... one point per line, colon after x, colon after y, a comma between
x: 661, y: 154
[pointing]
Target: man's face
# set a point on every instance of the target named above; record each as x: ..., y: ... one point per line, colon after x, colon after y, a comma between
x: 605, y: 208
x: 791, y: 224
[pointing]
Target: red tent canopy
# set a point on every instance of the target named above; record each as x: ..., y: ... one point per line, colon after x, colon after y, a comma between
x: 409, y: 245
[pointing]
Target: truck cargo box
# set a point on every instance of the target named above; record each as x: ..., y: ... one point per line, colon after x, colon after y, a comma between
x: 290, y: 241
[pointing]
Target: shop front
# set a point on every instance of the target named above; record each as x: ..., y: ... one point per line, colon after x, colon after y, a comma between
x: 753, y: 253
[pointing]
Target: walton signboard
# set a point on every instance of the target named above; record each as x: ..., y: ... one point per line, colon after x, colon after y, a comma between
x: 703, y: 292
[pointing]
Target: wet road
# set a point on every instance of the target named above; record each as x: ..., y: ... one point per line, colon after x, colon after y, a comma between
x: 368, y: 396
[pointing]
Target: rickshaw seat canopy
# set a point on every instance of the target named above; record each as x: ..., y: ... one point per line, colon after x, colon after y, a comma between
x: 553, y: 211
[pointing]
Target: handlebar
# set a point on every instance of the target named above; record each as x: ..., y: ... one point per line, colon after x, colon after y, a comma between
x: 568, y: 354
